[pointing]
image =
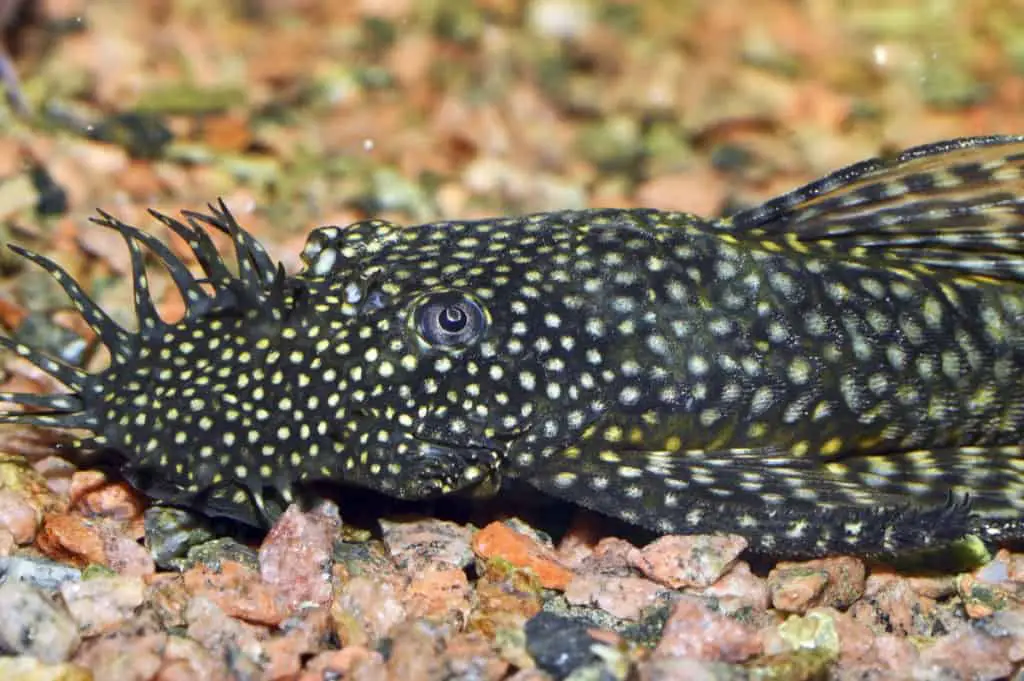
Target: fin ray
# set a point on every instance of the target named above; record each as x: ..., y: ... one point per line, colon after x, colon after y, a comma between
x: 54, y: 402
x: 187, y: 284
x: 673, y: 497
x: 110, y: 332
x: 206, y: 253
x: 255, y: 268
x: 961, y: 196
x: 72, y: 377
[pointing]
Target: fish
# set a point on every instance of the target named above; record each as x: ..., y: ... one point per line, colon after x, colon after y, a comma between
x: 839, y: 370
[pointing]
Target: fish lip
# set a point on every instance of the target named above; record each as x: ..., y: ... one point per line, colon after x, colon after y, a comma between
x: 467, y: 453
x: 448, y: 467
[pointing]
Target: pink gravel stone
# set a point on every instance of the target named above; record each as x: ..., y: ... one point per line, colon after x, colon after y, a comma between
x: 305, y: 635
x: 441, y: 594
x: 739, y: 588
x: 186, y: 660
x: 125, y: 658
x: 681, y: 561
x: 682, y: 669
x: 891, y: 604
x: 226, y: 637
x: 18, y: 516
x: 338, y: 663
x: 420, y: 544
x: 694, y: 630
x: 610, y: 557
x: 102, y: 604
x: 623, y: 597
x: 366, y: 608
x: 7, y: 542
x: 93, y: 495
x: 127, y: 556
x: 833, y: 582
x: 296, y: 555
x: 240, y: 592
x: 965, y: 654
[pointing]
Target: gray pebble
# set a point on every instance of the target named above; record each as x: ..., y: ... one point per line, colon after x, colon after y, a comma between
x: 45, y: 574
x: 34, y: 625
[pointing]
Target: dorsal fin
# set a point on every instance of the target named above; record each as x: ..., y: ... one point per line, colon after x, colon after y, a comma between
x: 956, y: 205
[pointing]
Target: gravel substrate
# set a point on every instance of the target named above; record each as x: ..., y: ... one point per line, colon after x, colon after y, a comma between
x: 307, y: 112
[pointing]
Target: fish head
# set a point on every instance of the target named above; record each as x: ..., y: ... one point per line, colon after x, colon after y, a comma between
x: 465, y: 343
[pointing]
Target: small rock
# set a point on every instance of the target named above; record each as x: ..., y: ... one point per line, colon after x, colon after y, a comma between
x: 1014, y: 565
x: 95, y: 496
x: 935, y: 588
x: 533, y: 674
x: 7, y: 542
x: 40, y: 572
x: 814, y: 631
x: 739, y: 588
x: 186, y: 660
x: 226, y: 637
x: 609, y: 557
x: 497, y: 540
x: 71, y: 538
x: 17, y: 476
x: 623, y: 597
x: 32, y: 669
x: 240, y: 592
x: 472, y: 656
x: 338, y: 663
x: 439, y: 594
x: 795, y: 665
x: 981, y: 599
x: 677, y: 668
x: 101, y: 604
x: 297, y: 554
x: 125, y: 555
x: 579, y: 541
x: 559, y: 645
x: 213, y: 554
x: 364, y: 559
x: 833, y: 582
x: 694, y: 630
x: 505, y: 599
x: 889, y: 603
x: 688, y: 560
x: 18, y: 516
x: 700, y: 190
x: 862, y: 654
x: 170, y: 533
x: 167, y: 597
x: 365, y: 609
x: 1008, y: 625
x: 419, y: 544
x: 33, y: 625
x: 563, y: 19
x: 416, y: 648
x: 968, y: 653
x: 304, y: 636
x: 125, y: 658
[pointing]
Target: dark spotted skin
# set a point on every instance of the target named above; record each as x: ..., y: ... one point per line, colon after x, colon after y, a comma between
x: 838, y: 370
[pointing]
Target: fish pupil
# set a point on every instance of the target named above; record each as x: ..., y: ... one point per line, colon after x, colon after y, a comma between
x: 452, y: 319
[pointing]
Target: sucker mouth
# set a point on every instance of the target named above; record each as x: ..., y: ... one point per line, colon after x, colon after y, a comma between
x: 455, y: 465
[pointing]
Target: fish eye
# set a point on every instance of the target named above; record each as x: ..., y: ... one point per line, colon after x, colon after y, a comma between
x: 450, y: 318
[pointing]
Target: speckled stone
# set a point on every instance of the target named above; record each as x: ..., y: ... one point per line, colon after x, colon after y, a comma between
x: 32, y: 624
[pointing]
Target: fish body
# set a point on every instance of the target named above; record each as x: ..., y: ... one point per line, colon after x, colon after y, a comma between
x: 838, y: 370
